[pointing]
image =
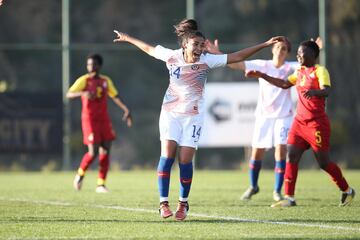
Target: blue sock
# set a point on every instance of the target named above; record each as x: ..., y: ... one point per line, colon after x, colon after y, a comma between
x: 255, y: 166
x: 163, y: 172
x: 279, y: 174
x: 186, y: 173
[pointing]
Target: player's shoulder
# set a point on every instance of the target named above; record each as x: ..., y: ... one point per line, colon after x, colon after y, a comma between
x: 83, y: 77
x: 292, y: 64
x: 319, y: 67
x: 105, y: 77
x: 263, y: 63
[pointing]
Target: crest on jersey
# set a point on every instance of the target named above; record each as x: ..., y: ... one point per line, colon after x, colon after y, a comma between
x: 195, y: 67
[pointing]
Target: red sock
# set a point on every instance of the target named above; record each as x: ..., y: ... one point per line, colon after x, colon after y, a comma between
x: 334, y: 171
x: 291, y: 172
x: 86, y: 161
x: 104, y: 164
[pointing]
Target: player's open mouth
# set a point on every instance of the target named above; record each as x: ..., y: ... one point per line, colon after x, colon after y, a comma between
x: 196, y: 55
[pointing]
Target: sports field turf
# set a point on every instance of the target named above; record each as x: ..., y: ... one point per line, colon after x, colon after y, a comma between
x: 44, y: 206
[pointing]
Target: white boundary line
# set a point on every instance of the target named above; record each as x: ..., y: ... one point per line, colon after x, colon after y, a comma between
x: 226, y: 218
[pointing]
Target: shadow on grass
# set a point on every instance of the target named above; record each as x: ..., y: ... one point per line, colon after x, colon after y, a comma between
x: 173, y: 221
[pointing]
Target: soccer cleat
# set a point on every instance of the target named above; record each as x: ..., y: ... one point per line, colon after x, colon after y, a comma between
x: 277, y: 196
x: 249, y: 193
x: 101, y: 189
x: 165, y: 210
x: 284, y: 203
x: 77, y: 184
x: 181, y: 211
x: 346, y: 198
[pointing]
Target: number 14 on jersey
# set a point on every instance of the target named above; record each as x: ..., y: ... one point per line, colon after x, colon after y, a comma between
x: 175, y: 72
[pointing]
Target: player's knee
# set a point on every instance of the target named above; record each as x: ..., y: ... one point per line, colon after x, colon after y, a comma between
x: 323, y: 164
x: 292, y: 157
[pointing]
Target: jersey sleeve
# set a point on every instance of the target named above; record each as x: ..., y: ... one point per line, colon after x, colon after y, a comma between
x: 163, y: 53
x: 257, y: 65
x: 215, y: 60
x: 79, y: 84
x: 323, y: 76
x: 112, y: 91
x: 293, y: 77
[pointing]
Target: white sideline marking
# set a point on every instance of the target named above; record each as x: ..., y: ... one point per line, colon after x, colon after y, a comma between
x: 56, y: 203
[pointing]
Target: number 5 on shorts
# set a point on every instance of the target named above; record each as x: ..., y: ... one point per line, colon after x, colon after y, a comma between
x: 318, y: 139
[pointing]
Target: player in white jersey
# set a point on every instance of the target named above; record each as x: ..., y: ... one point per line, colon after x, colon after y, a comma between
x: 181, y: 116
x: 274, y: 114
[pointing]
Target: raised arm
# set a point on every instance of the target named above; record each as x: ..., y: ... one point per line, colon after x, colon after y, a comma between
x: 213, y: 47
x: 274, y: 81
x: 123, y: 37
x: 247, y: 52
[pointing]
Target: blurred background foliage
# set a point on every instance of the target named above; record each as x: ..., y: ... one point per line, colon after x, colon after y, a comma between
x: 30, y: 61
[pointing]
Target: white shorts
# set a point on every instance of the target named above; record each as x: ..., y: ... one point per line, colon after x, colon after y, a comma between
x: 269, y: 132
x: 183, y: 129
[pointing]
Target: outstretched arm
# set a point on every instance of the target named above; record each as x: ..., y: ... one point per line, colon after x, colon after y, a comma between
x: 213, y: 47
x: 127, y: 115
x: 123, y: 37
x: 274, y: 81
x: 247, y: 52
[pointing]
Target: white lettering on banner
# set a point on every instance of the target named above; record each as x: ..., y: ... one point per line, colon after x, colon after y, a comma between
x: 229, y: 115
x: 26, y: 134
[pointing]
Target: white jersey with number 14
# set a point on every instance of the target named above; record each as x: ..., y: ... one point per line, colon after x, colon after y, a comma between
x: 185, y: 93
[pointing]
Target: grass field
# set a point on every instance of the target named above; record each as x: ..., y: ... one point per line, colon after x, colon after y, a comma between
x: 44, y: 206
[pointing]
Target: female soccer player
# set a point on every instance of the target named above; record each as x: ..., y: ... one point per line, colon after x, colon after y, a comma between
x: 311, y: 127
x: 274, y: 114
x: 181, y: 117
x: 93, y: 88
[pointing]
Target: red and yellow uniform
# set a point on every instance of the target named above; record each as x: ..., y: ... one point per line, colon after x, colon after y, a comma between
x: 311, y: 125
x: 95, y: 119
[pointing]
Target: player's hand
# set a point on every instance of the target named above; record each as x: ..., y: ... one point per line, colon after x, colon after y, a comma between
x: 120, y: 37
x: 309, y: 93
x: 128, y: 118
x: 88, y: 95
x: 319, y: 42
x: 1, y: 2
x: 274, y: 40
x: 253, y: 74
x: 212, y: 47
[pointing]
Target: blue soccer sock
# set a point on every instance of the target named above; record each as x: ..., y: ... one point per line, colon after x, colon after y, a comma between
x: 186, y: 173
x: 279, y: 174
x: 254, y: 170
x: 163, y: 172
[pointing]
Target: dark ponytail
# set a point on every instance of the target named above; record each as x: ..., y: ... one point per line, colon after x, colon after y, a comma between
x: 185, y: 26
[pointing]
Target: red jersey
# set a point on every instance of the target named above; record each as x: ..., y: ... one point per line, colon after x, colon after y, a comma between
x: 306, y: 78
x: 94, y: 109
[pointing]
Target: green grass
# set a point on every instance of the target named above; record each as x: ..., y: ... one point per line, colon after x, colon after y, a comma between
x: 44, y: 206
